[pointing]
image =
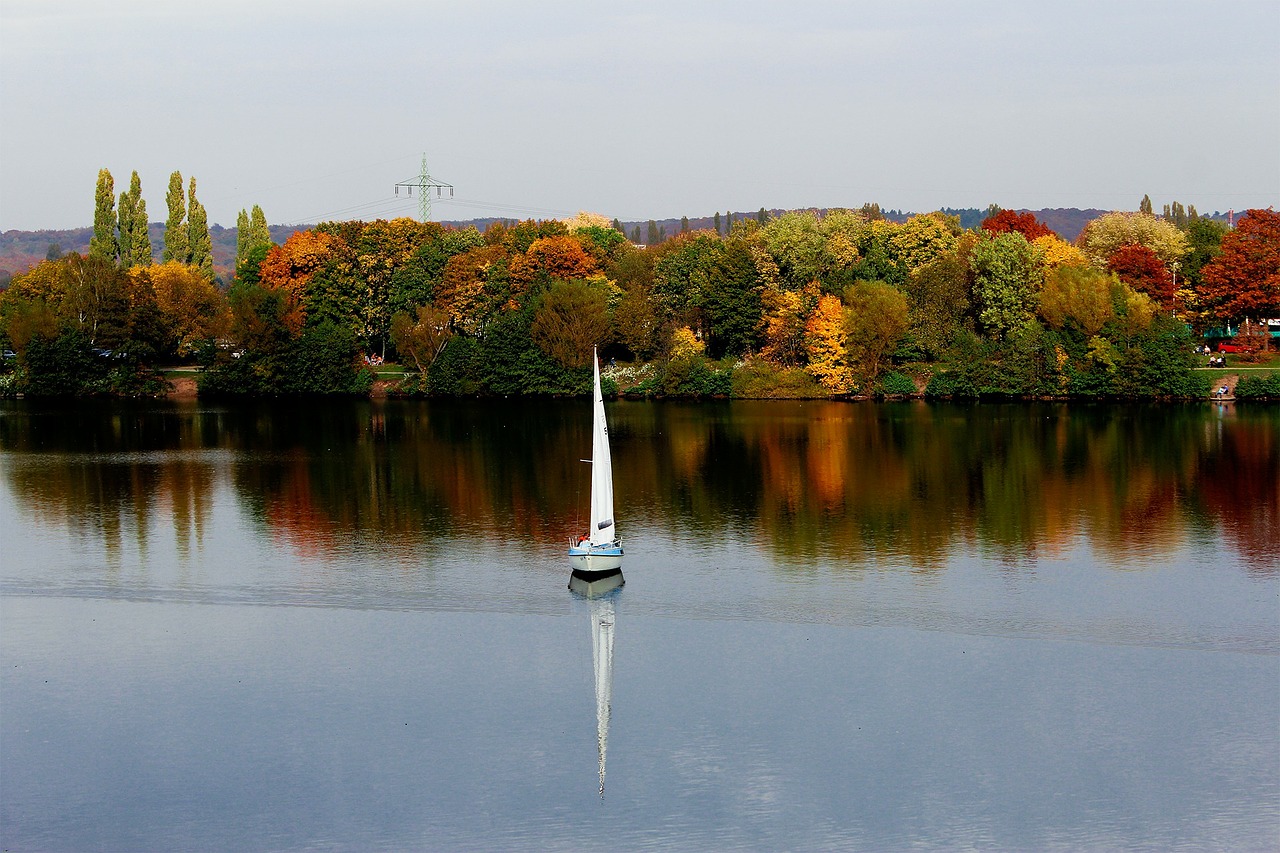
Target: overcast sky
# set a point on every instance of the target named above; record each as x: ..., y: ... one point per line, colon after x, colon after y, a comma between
x: 649, y: 109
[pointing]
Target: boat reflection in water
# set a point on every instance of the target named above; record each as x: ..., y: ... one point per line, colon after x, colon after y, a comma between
x: 600, y: 589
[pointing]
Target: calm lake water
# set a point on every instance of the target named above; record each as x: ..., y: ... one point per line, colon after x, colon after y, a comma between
x: 345, y: 625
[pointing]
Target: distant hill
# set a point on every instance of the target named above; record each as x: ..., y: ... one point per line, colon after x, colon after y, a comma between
x: 22, y: 250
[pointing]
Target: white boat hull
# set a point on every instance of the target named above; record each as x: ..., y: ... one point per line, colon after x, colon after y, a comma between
x: 598, y: 558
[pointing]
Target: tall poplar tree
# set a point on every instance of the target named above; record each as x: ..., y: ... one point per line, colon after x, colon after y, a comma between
x: 242, y: 236
x: 103, y: 242
x: 199, y: 244
x: 135, y: 242
x: 142, y: 253
x: 259, y: 231
x: 1144, y: 206
x: 124, y: 218
x: 175, y: 227
x: 718, y: 231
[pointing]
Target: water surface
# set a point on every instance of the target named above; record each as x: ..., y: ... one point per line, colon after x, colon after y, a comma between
x: 345, y: 625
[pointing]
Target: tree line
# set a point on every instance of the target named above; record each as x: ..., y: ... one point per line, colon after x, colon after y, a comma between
x: 845, y: 303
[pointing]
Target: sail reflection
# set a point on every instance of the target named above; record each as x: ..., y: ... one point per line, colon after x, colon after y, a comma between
x: 601, y: 593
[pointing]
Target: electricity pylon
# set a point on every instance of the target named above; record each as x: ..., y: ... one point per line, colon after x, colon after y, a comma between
x: 424, y: 184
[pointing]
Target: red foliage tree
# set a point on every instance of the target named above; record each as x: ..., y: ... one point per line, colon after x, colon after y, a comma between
x: 1025, y: 224
x: 1244, y: 280
x: 1140, y: 268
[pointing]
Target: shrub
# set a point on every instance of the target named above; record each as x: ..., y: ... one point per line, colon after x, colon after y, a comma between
x: 1259, y: 387
x: 761, y: 380
x: 895, y: 384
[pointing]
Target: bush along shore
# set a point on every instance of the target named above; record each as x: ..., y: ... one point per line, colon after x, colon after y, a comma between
x: 847, y: 305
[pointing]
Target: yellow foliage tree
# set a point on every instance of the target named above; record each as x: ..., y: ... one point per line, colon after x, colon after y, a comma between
x: 1058, y: 252
x: 825, y: 339
x: 192, y: 307
x: 686, y: 344
x: 1078, y: 293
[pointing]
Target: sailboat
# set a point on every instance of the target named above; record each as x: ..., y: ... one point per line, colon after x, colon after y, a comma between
x: 597, y: 553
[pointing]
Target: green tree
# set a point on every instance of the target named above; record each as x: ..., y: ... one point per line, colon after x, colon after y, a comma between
x: 140, y: 252
x: 1144, y: 206
x: 571, y: 317
x: 124, y: 234
x: 731, y: 299
x: 176, y: 243
x: 684, y: 224
x: 719, y: 230
x: 103, y: 242
x: 762, y: 216
x: 242, y: 236
x: 134, y: 240
x: 199, y: 244
x: 938, y: 302
x: 422, y: 337
x: 875, y: 319
x: 1007, y: 273
x: 654, y: 237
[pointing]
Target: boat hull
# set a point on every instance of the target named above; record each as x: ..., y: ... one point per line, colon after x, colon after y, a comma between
x: 596, y: 559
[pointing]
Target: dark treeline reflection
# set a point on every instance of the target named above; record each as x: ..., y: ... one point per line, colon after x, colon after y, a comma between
x: 851, y: 482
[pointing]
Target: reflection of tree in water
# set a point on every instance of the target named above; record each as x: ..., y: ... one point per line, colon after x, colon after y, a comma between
x: 109, y: 471
x: 847, y: 483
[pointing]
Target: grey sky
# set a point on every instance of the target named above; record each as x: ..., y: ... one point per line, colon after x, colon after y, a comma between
x: 653, y: 109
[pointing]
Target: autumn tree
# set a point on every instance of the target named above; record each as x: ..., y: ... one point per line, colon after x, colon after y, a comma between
x: 103, y: 242
x: 474, y: 286
x: 785, y: 314
x: 422, y: 337
x: 825, y: 344
x: 1138, y: 267
x: 1057, y: 252
x: 289, y: 268
x: 192, y: 308
x: 1079, y: 295
x: 1243, y: 281
x: 1101, y: 237
x: 572, y: 317
x: 921, y: 239
x: 875, y: 320
x: 176, y: 240
x: 1024, y: 223
x: 558, y: 258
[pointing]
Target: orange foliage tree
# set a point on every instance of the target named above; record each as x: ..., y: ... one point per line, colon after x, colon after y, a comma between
x: 1025, y: 224
x: 825, y: 343
x: 290, y: 267
x: 1243, y: 281
x: 1138, y: 267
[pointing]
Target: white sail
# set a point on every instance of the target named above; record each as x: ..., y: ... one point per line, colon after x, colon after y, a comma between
x: 602, y: 526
